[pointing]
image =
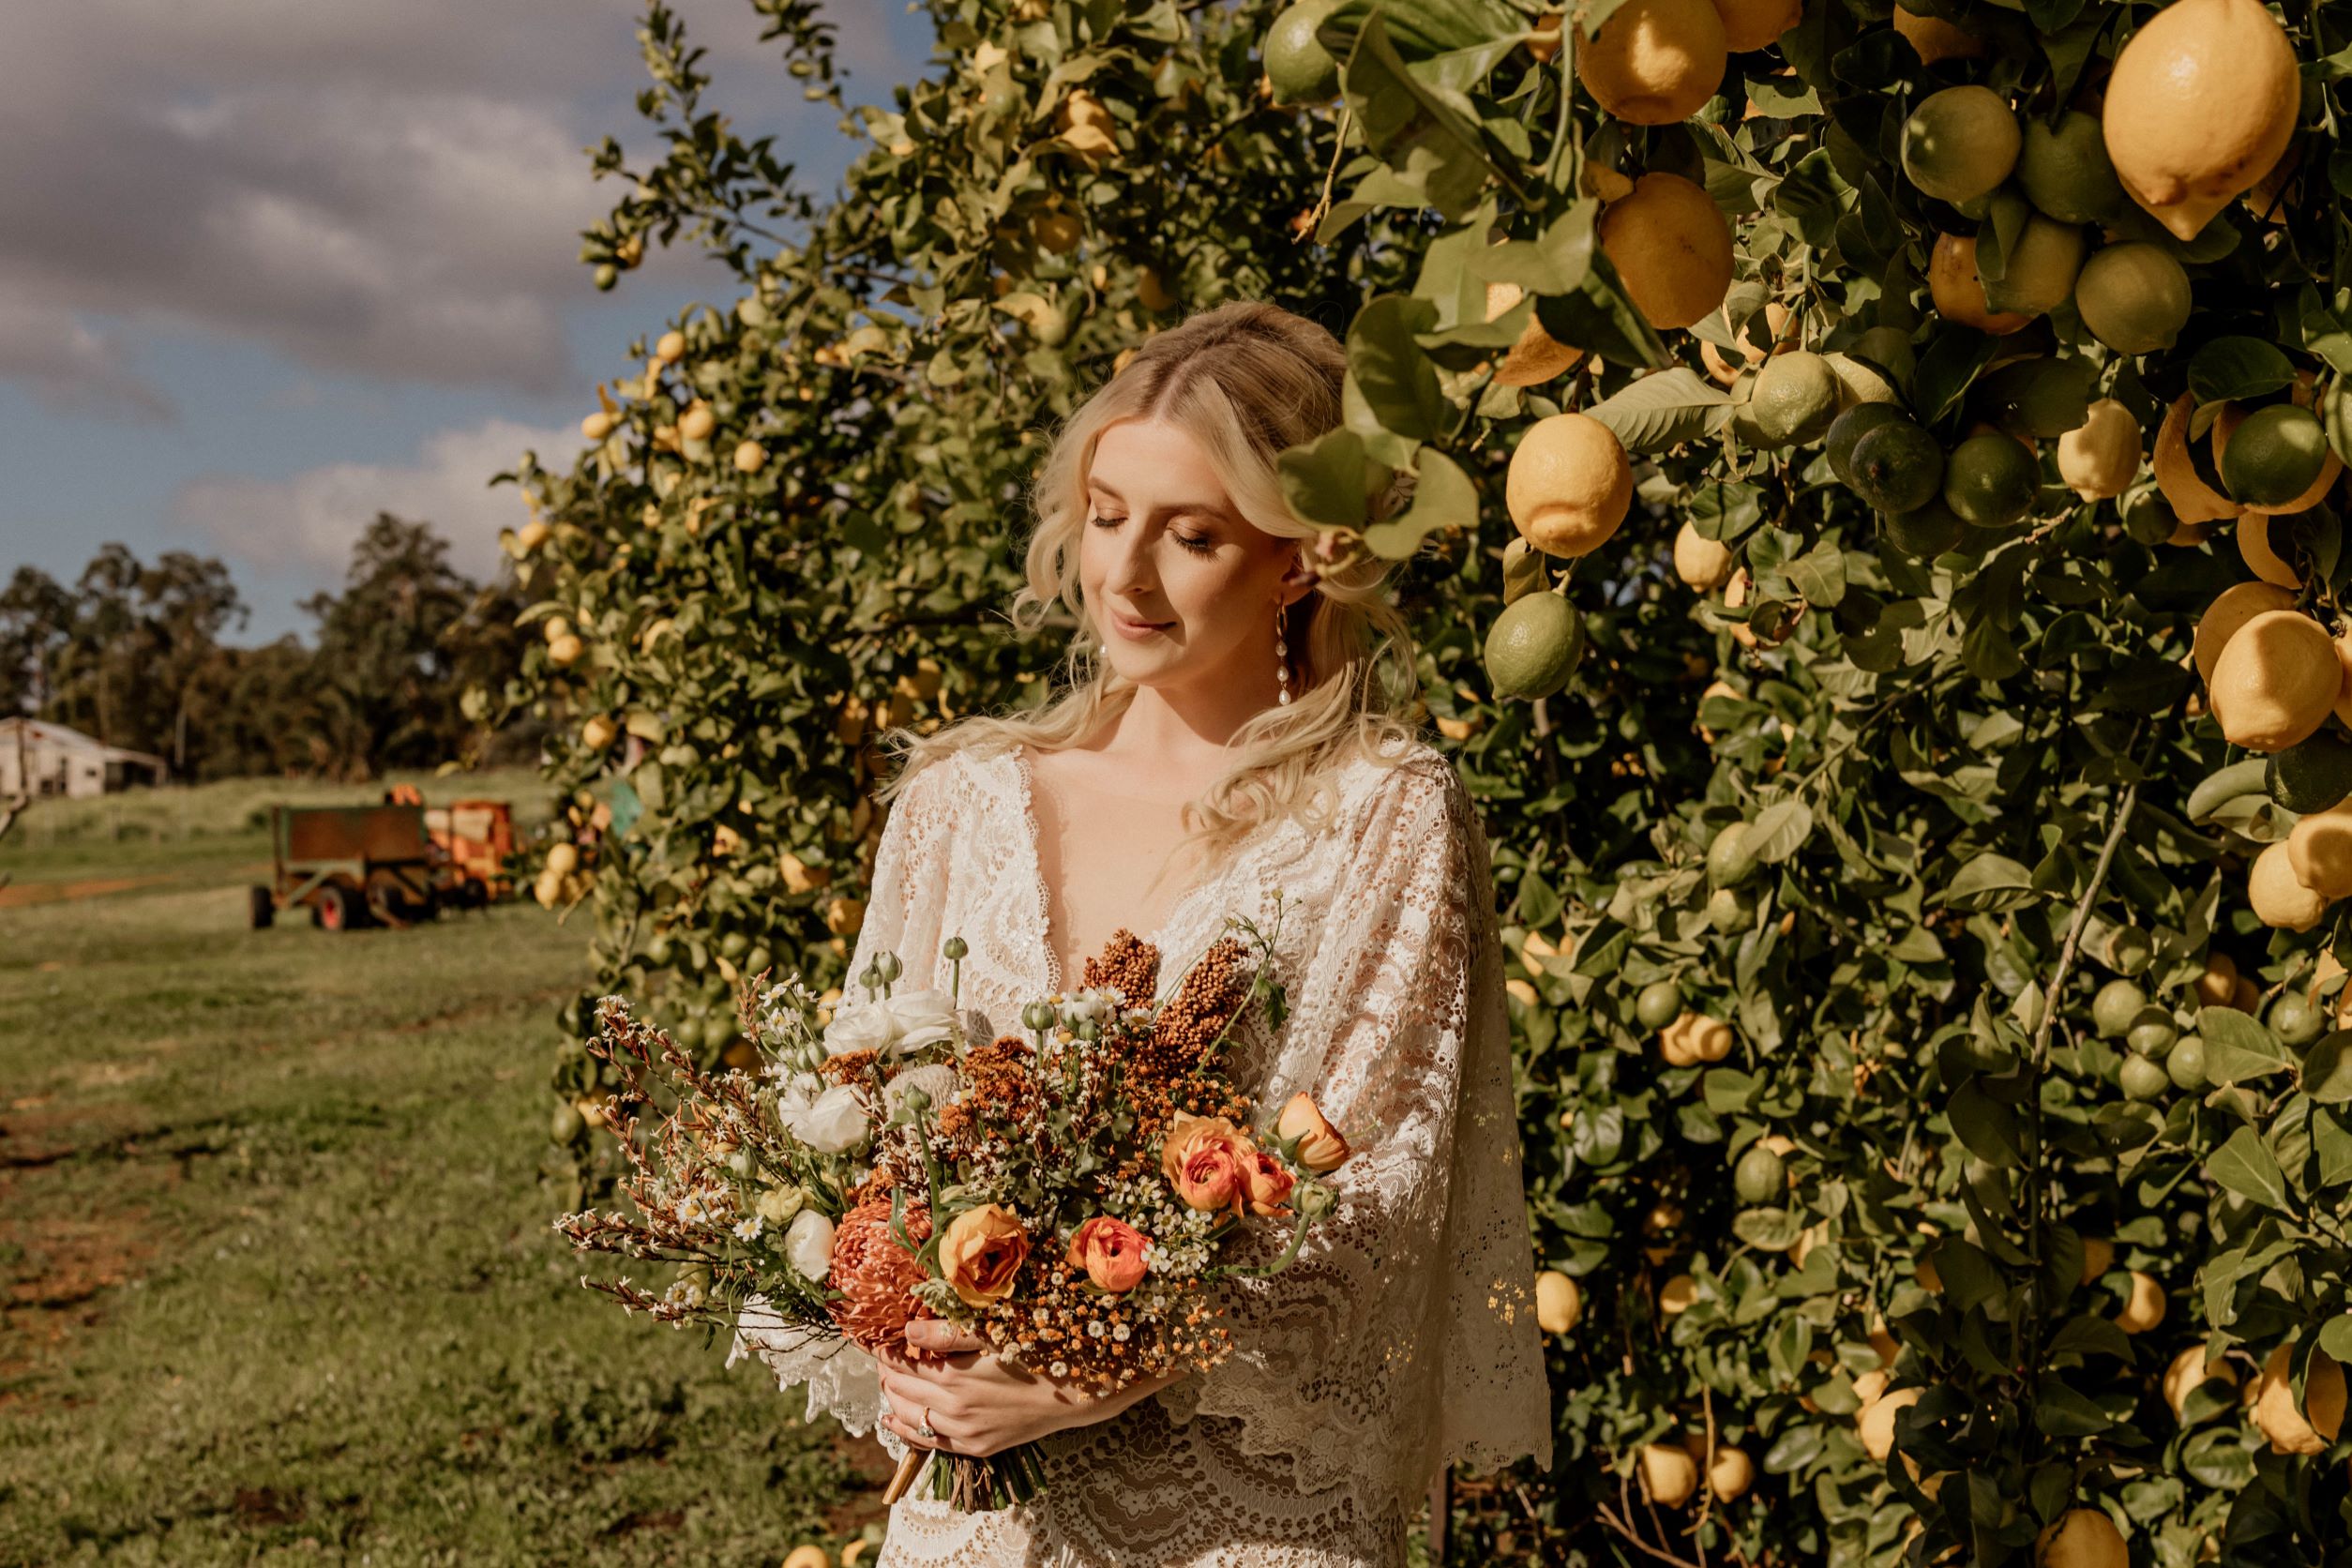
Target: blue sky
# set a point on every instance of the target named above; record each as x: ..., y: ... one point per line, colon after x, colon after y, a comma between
x: 276, y: 264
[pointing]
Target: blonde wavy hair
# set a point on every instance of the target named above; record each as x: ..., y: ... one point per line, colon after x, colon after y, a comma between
x: 1245, y: 380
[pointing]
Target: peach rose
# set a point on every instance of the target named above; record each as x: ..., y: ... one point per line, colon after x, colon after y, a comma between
x: 1111, y: 1251
x: 1202, y: 1158
x: 981, y: 1253
x: 1266, y: 1184
x: 1321, y: 1147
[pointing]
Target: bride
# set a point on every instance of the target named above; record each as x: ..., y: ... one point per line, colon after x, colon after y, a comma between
x: 1227, y: 737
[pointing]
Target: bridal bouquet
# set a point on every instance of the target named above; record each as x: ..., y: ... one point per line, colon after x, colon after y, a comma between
x: 1071, y: 1192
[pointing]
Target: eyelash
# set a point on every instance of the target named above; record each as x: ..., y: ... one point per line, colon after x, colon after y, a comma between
x: 1198, y: 546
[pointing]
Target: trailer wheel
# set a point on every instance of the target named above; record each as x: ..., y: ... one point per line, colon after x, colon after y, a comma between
x: 335, y: 909
x: 263, y: 908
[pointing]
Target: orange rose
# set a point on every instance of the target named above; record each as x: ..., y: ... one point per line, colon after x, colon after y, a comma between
x: 1202, y: 1158
x: 1266, y: 1184
x: 982, y: 1252
x: 1321, y: 1147
x: 1111, y: 1251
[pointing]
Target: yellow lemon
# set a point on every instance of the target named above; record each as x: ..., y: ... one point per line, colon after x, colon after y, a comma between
x: 2200, y: 104
x: 1875, y: 1425
x: 808, y: 1556
x: 1569, y: 483
x: 1701, y: 563
x: 1668, y: 1473
x: 1537, y: 356
x: 596, y: 426
x: 2278, y: 897
x: 598, y: 732
x: 2042, y: 263
x: 750, y: 457
x: 2143, y: 1305
x: 2190, y: 1371
x: 2312, y: 1429
x: 1655, y: 62
x: 2231, y: 609
x: 1752, y: 23
x: 669, y: 347
x: 2276, y: 681
x: 2101, y: 457
x: 1559, y: 1303
x: 1729, y: 1474
x: 1677, y: 1294
x: 2319, y: 850
x: 1671, y: 247
x: 2184, y: 489
x: 1935, y: 39
x: 1959, y: 292
x: 2080, y: 1538
x: 2098, y: 1256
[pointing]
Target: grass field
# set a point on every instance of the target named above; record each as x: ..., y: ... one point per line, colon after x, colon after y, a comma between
x: 280, y: 1282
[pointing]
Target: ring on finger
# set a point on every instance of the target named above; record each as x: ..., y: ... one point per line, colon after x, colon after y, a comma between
x: 924, y: 1431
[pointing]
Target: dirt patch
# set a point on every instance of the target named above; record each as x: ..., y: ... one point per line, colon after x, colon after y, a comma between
x: 17, y: 894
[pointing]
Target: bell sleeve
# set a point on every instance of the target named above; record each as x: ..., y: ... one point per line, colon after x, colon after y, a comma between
x: 904, y: 906
x: 1403, y: 1338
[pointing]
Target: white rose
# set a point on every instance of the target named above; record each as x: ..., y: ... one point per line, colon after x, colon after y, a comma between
x: 924, y: 1018
x: 832, y: 1123
x: 936, y: 1080
x: 808, y: 1244
x: 867, y: 1028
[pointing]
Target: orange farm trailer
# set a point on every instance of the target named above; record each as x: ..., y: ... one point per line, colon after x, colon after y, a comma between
x: 349, y: 865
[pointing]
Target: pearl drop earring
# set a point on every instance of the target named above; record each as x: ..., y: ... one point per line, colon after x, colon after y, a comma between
x: 1282, y: 661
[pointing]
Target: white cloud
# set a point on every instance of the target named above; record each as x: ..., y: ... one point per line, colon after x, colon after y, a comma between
x: 388, y: 191
x: 305, y: 524
x: 70, y: 368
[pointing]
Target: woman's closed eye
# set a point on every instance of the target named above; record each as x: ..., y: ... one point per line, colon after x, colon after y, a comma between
x: 1198, y: 544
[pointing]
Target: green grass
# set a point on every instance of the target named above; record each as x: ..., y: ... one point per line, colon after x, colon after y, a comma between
x: 279, y: 1279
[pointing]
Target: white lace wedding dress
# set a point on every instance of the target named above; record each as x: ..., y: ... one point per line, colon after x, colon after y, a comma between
x: 1404, y: 1338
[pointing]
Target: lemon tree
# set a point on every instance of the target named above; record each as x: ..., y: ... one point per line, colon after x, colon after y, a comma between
x: 1889, y: 652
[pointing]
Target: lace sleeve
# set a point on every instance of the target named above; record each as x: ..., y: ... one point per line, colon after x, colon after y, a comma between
x: 902, y: 915
x: 1404, y: 1335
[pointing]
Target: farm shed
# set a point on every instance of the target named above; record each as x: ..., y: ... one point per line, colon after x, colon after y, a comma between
x: 39, y: 758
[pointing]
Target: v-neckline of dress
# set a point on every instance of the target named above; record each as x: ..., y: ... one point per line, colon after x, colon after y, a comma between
x: 1052, y: 979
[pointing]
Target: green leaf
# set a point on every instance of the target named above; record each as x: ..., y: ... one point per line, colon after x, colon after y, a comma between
x: 2237, y: 1046
x: 1771, y: 1230
x: 1427, y: 132
x: 1661, y: 409
x: 1330, y: 479
x: 2239, y: 367
x: 1990, y: 882
x: 2326, y: 1073
x: 1779, y: 830
x: 1443, y: 497
x: 2246, y: 1167
x: 1948, y: 366
x: 1985, y: 1126
x: 1392, y: 387
x: 2062, y: 1411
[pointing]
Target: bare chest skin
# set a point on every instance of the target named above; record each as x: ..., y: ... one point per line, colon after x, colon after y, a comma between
x: 1106, y: 843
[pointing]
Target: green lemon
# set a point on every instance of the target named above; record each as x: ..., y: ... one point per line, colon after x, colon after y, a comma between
x: 1796, y: 398
x: 2294, y: 1020
x: 1897, y: 467
x: 2151, y: 1033
x: 1659, y: 1005
x: 1991, y: 480
x: 1731, y: 910
x: 2043, y: 398
x: 2274, y: 455
x: 2116, y: 1006
x: 2311, y: 775
x: 1849, y: 427
x: 2038, y: 270
x: 1534, y: 646
x: 1889, y: 349
x: 1729, y: 860
x: 1299, y: 68
x: 2148, y: 517
x: 567, y: 1125
x: 1960, y: 143
x: 2066, y: 172
x: 2185, y: 1066
x: 2143, y: 1079
x: 1925, y: 532
x: 2134, y: 298
x: 1760, y: 1177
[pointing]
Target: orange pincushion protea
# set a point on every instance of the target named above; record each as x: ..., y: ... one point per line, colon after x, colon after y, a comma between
x: 874, y: 1274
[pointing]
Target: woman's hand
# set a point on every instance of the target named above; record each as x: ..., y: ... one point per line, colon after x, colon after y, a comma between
x: 981, y: 1404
